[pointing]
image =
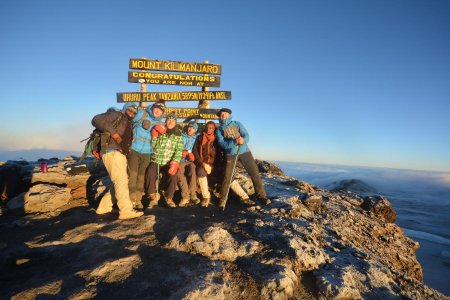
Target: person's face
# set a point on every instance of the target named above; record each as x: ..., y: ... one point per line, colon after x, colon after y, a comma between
x: 157, y: 112
x: 130, y: 113
x: 210, y: 128
x: 224, y: 115
x: 190, y: 130
x: 170, y: 123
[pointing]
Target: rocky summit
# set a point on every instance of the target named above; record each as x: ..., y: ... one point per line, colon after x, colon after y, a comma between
x: 308, y: 243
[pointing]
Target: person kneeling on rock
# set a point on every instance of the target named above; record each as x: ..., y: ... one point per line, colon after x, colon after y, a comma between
x: 167, y: 146
x: 118, y: 124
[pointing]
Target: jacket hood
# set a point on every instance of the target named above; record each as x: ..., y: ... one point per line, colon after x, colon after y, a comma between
x: 150, y: 113
x: 128, y: 104
x: 193, y: 124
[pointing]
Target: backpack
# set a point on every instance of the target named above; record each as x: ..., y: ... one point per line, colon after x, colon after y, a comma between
x: 97, y: 142
x: 94, y: 145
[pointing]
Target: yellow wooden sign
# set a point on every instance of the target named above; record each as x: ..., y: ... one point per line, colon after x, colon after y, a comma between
x: 174, y: 66
x: 201, y: 113
x: 173, y: 79
x: 173, y: 96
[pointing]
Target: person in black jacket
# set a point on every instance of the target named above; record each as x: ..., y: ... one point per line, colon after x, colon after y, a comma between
x: 118, y: 124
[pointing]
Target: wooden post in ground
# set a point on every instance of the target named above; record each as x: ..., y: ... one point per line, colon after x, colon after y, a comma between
x: 143, y: 90
x: 204, y: 103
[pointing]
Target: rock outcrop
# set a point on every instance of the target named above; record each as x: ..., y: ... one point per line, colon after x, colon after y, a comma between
x: 309, y: 243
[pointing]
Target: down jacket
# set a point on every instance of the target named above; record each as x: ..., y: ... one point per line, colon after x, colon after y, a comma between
x: 141, y: 136
x: 112, y: 122
x: 228, y: 144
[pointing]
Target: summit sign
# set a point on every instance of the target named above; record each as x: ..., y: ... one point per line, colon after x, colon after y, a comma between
x: 175, y: 66
x: 188, y: 74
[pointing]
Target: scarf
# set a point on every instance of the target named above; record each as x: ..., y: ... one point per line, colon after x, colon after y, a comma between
x: 207, y: 139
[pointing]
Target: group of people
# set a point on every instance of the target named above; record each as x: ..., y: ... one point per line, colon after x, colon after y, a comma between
x: 141, y: 147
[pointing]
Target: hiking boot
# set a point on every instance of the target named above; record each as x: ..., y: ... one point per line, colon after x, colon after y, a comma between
x: 130, y: 214
x: 103, y: 211
x: 205, y: 202
x: 137, y: 205
x: 184, y: 202
x: 195, y: 200
x: 264, y: 200
x: 154, y: 198
x: 247, y: 201
x: 170, y: 202
x: 222, y: 203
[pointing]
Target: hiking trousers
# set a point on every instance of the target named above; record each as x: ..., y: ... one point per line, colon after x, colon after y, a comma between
x: 152, y: 176
x: 137, y: 165
x: 116, y: 165
x: 250, y: 166
x: 187, y: 190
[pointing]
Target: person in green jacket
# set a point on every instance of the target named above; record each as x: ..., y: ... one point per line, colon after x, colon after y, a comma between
x: 167, y: 144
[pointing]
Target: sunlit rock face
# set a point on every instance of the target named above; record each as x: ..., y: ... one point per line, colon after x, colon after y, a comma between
x: 308, y: 243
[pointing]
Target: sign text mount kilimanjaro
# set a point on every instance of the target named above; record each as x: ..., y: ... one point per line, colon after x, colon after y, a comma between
x: 174, y: 66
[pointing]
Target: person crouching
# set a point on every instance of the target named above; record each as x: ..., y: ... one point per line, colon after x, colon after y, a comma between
x: 188, y: 191
x: 167, y: 146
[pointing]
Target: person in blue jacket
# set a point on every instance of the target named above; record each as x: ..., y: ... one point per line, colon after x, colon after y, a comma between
x: 141, y: 149
x: 188, y: 191
x: 233, y: 138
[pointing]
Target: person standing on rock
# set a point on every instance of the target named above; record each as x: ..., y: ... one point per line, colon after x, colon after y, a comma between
x: 141, y: 148
x: 188, y: 190
x: 118, y: 124
x: 167, y: 146
x: 233, y: 138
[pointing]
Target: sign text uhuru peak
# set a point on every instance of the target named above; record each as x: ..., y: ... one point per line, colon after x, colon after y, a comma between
x: 174, y: 66
x: 173, y: 96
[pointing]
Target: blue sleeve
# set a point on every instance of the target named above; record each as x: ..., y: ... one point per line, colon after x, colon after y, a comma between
x: 138, y: 116
x: 222, y: 141
x: 243, y: 132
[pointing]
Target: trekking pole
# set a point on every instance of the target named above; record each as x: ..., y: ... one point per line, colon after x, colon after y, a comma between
x: 232, y: 175
x: 157, y: 183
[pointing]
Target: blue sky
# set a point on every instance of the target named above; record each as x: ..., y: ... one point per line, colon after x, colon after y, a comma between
x: 347, y: 82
